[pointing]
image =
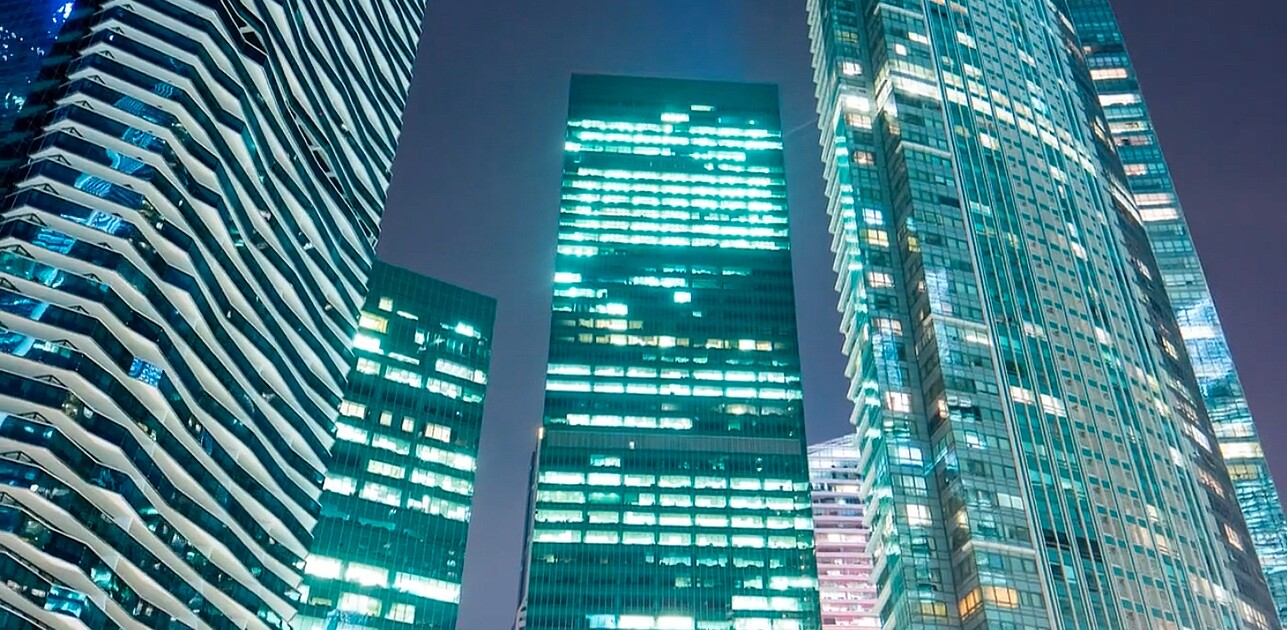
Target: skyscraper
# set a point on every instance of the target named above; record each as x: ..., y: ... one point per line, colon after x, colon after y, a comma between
x: 185, y: 238
x: 672, y: 477
x: 1035, y: 449
x: 846, y: 590
x: 389, y: 549
x: 1160, y: 212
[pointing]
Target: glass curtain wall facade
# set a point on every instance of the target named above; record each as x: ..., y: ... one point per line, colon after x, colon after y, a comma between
x: 1160, y: 212
x: 28, y: 29
x: 390, y: 547
x: 1035, y: 451
x: 845, y: 587
x: 672, y: 478
x: 190, y: 205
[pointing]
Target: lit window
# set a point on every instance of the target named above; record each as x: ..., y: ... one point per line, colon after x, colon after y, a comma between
x: 340, y: 485
x: 381, y: 493
x: 556, y: 536
x: 437, y: 432
x: 323, y: 567
x: 406, y: 613
x: 386, y: 304
x: 439, y: 456
x: 366, y: 575
x: 384, y: 468
x: 898, y: 401
x: 352, y: 409
x: 602, y: 538
x: 1100, y: 74
x: 406, y: 377
x: 559, y: 516
x: 389, y: 443
x: 918, y: 515
x: 350, y: 433
x: 361, y: 604
x: 367, y: 366
x: 367, y: 343
x: 373, y: 322
x: 683, y: 297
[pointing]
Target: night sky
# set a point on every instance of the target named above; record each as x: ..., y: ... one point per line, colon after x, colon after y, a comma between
x: 475, y: 191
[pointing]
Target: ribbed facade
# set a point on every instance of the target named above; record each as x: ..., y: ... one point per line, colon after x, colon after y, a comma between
x: 191, y: 200
x: 672, y: 484
x: 389, y: 550
x: 1035, y: 450
x: 846, y: 588
x: 1161, y: 214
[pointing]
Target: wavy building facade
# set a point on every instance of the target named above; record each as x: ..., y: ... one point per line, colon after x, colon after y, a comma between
x: 672, y: 481
x: 1036, y: 451
x: 192, y: 193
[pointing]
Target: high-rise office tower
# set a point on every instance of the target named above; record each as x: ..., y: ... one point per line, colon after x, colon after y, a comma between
x: 1036, y: 452
x: 845, y: 588
x: 188, y: 219
x: 1154, y: 194
x: 389, y: 549
x: 672, y: 476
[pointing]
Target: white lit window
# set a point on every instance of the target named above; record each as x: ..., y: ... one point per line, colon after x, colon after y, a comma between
x: 407, y: 377
x: 366, y: 575
x: 898, y: 401
x: 350, y: 433
x: 446, y: 458
x: 340, y: 485
x: 556, y: 536
x: 381, y: 493
x: 918, y: 515
x: 367, y: 343
x: 352, y: 409
x: 361, y: 604
x: 323, y: 567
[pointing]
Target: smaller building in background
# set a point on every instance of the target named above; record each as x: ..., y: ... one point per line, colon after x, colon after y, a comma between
x: 389, y: 550
x: 845, y: 585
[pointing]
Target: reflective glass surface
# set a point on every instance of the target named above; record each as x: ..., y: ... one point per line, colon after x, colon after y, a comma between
x: 1035, y: 451
x: 389, y: 549
x: 671, y: 486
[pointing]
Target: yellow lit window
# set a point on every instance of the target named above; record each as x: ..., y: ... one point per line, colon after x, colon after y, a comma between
x: 373, y: 322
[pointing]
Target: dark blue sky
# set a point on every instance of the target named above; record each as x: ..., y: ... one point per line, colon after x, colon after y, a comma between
x: 475, y: 193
